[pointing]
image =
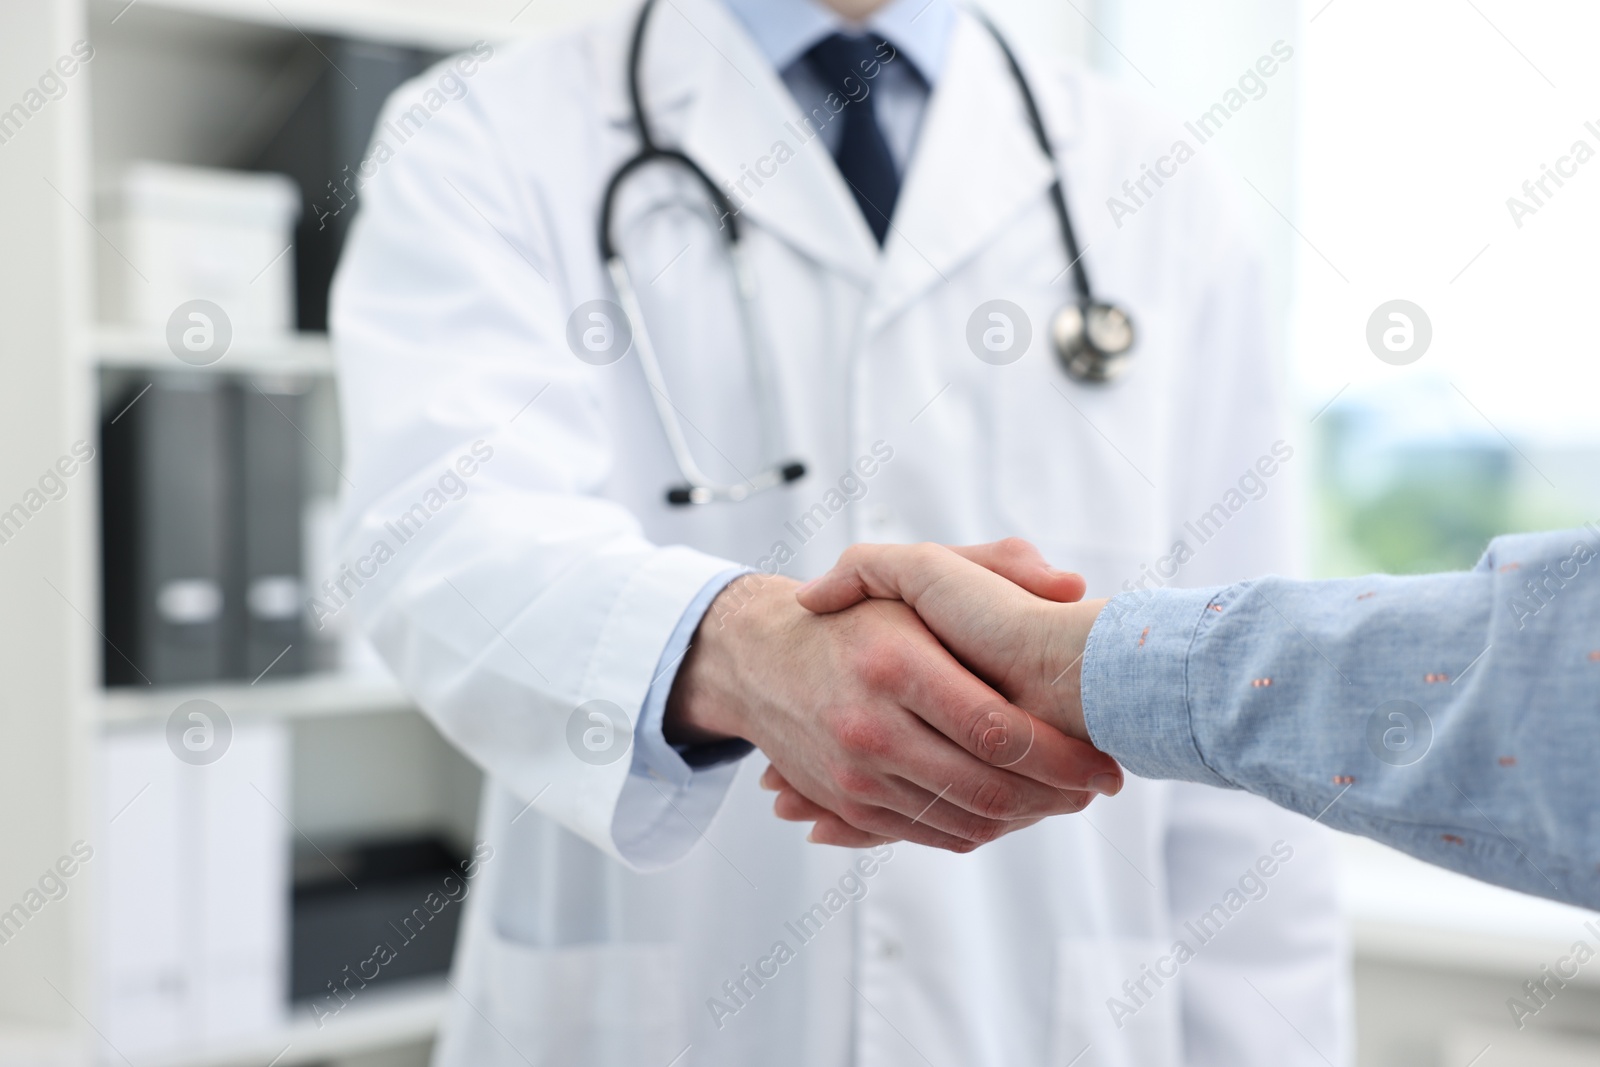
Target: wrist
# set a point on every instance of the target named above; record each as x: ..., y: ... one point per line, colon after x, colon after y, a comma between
x: 1062, y: 673
x: 708, y: 702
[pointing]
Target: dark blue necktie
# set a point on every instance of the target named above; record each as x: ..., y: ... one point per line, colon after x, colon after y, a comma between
x: 862, y: 153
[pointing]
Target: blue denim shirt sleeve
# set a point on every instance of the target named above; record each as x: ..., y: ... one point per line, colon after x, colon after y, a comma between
x: 1452, y: 716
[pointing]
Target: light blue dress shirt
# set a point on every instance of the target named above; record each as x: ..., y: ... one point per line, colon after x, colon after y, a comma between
x: 784, y: 30
x: 1455, y: 717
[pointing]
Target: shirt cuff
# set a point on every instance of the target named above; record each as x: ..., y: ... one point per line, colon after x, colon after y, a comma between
x: 666, y: 781
x: 1135, y: 683
x: 652, y: 755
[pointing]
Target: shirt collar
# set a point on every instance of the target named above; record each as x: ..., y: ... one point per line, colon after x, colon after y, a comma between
x: 785, y: 29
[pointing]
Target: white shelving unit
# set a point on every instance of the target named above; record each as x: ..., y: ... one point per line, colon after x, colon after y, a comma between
x: 385, y: 1019
x: 307, y: 354
x: 169, y: 81
x: 302, y: 697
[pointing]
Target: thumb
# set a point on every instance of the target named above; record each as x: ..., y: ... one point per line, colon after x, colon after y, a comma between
x: 1021, y: 563
x: 903, y: 572
x: 887, y: 572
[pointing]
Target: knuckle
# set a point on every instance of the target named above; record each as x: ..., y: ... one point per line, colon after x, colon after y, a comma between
x: 863, y: 817
x: 879, y: 665
x: 1014, y: 548
x: 853, y: 814
x: 995, y: 798
x: 854, y: 782
x: 862, y: 735
x: 989, y: 733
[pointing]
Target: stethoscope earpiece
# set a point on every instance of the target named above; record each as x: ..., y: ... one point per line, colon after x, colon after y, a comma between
x: 779, y: 474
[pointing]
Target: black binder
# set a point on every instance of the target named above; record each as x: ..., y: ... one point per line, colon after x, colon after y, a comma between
x: 321, y: 146
x: 266, y: 597
x: 165, y: 531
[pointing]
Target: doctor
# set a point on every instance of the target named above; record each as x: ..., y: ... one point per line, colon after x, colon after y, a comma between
x: 603, y: 653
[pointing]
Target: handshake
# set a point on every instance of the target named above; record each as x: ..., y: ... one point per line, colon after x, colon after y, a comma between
x: 916, y: 692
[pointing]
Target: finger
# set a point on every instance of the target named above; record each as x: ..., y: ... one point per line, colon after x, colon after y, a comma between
x: 883, y: 822
x: 930, y: 811
x: 793, y: 806
x: 964, y: 795
x: 990, y: 794
x: 905, y: 572
x: 971, y: 714
x: 880, y: 800
x: 1019, y: 562
x: 889, y: 572
x: 902, y: 802
x: 832, y: 830
x: 1014, y: 739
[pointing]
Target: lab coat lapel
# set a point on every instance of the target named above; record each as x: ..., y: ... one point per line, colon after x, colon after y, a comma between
x: 747, y: 132
x: 975, y: 167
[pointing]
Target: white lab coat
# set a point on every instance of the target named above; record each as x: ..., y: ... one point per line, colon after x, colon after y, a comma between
x: 618, y: 911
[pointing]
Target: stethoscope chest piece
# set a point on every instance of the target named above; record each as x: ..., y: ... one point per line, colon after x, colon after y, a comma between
x: 1093, y: 341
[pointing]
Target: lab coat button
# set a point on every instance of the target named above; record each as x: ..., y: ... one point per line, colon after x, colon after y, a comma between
x: 880, y: 515
x: 890, y: 949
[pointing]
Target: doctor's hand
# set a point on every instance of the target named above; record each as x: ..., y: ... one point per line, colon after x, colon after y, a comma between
x: 1029, y: 647
x: 865, y: 715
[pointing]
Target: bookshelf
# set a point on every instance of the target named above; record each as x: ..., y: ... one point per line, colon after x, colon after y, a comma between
x: 390, y: 1019
x: 310, y: 695
x: 302, y: 354
x: 169, y: 80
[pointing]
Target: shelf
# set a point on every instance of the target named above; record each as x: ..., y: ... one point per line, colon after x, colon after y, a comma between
x: 132, y: 349
x: 304, y: 697
x: 379, y: 1019
x: 407, y: 22
x: 40, y: 1047
x: 1405, y: 911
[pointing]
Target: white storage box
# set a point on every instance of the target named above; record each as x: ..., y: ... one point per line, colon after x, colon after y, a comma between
x: 188, y: 233
x: 191, y: 858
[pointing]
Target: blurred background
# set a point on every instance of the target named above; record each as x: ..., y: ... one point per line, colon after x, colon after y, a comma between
x: 195, y: 925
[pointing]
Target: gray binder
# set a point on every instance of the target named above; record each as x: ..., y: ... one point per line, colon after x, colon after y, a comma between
x: 267, y: 599
x: 165, y: 532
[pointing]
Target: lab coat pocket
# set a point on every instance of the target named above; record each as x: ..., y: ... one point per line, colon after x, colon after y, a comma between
x: 597, y: 1004
x: 1097, y: 1022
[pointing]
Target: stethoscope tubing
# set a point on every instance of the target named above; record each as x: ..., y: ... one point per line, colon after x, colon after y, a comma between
x: 1058, y: 195
x: 699, y: 488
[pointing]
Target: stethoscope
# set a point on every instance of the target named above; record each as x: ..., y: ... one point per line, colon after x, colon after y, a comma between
x: 1093, y: 340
